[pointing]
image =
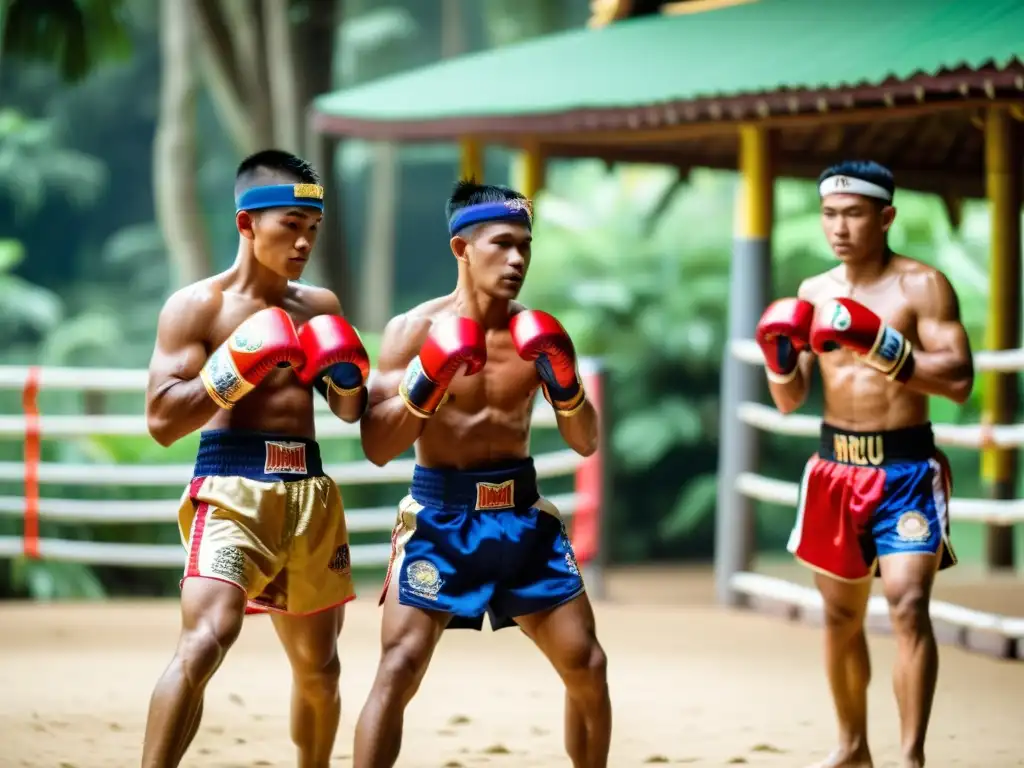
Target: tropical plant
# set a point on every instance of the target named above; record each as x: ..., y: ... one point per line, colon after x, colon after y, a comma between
x: 75, y: 36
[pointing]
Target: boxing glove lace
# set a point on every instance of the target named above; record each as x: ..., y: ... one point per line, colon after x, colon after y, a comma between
x: 259, y: 344
x: 849, y: 324
x: 451, y: 344
x: 335, y: 355
x: 782, y: 332
x: 540, y: 338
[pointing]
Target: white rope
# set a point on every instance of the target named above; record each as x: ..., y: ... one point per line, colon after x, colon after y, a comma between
x: 758, y: 585
x: 992, y: 511
x: 150, y: 555
x: 766, y: 418
x: 552, y: 464
x: 132, y: 379
x: 63, y: 427
x: 173, y: 555
x: 998, y: 361
x: 376, y: 519
x: 163, y: 511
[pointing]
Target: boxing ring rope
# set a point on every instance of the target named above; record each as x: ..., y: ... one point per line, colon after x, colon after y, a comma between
x: 1007, y: 633
x: 581, y: 508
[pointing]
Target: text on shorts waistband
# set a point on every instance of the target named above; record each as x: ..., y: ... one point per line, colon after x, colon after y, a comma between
x: 506, y: 486
x: 874, y: 449
x: 257, y: 455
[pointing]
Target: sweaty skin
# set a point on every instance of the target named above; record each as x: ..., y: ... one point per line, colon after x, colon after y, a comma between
x: 195, y: 321
x: 486, y: 419
x: 918, y: 301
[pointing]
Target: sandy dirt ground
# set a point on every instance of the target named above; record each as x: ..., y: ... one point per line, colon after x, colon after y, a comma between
x: 692, y: 684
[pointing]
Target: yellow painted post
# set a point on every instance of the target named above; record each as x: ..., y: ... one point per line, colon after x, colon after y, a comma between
x: 471, y: 160
x: 749, y: 292
x: 528, y: 170
x: 999, y: 395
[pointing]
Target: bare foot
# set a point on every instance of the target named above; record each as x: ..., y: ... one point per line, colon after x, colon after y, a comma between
x: 858, y: 757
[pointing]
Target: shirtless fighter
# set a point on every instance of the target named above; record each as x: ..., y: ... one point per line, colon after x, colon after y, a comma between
x: 238, y: 354
x: 886, y: 332
x: 458, y: 377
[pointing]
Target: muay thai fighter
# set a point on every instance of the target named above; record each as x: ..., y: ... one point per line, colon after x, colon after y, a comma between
x: 885, y: 331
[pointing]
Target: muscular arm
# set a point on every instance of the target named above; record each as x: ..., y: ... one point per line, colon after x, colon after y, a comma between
x: 177, y: 403
x: 943, y: 364
x: 791, y: 395
x: 348, y: 409
x: 580, y: 431
x: 389, y: 428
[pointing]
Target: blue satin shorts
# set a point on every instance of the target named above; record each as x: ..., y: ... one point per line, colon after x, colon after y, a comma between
x: 469, y: 543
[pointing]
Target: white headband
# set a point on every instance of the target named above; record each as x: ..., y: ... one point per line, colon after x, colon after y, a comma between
x: 851, y: 185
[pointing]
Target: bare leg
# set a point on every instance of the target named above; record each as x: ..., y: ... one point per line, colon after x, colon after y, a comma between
x: 311, y: 643
x: 907, y: 579
x: 193, y: 729
x: 408, y: 638
x: 211, y: 613
x: 848, y: 667
x: 568, y: 637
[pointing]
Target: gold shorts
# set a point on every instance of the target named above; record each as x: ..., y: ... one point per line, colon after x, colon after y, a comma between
x: 260, y: 514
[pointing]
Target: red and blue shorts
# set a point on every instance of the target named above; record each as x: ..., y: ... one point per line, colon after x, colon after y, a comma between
x: 866, y: 495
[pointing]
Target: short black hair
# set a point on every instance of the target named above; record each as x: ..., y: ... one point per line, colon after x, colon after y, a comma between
x: 273, y: 166
x: 867, y: 170
x: 468, y: 192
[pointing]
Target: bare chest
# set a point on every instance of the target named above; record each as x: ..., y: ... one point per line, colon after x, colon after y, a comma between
x: 506, y: 383
x: 888, y: 302
x: 237, y: 309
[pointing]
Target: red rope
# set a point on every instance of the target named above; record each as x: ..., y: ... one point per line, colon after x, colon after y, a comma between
x: 30, y: 405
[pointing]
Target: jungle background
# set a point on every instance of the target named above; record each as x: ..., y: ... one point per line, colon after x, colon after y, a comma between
x: 122, y: 121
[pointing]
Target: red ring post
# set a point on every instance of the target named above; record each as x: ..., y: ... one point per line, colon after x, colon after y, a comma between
x: 586, y: 524
x: 30, y: 406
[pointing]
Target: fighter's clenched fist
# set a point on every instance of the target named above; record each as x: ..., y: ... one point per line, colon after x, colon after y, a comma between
x: 334, y: 353
x: 452, y: 343
x: 783, y: 331
x: 539, y: 337
x: 847, y: 323
x: 258, y: 345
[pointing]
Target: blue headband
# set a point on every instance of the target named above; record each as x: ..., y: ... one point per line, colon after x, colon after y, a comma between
x: 281, y: 196
x: 517, y: 210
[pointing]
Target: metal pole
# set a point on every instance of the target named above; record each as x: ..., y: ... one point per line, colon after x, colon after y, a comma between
x: 749, y: 289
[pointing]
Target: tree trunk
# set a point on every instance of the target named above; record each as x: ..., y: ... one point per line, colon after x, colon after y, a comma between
x: 314, y: 45
x: 285, y: 98
x: 378, y: 267
x: 175, y: 151
x: 233, y: 58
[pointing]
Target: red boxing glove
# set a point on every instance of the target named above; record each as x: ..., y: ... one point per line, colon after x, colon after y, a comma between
x: 849, y: 324
x: 257, y: 346
x: 452, y: 343
x: 783, y: 331
x: 539, y: 337
x: 335, y: 354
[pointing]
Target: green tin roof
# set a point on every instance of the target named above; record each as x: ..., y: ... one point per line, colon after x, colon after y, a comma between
x: 763, y: 47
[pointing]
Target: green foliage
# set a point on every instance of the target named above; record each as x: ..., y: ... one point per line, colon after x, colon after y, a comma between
x: 34, y: 166
x: 75, y: 36
x: 22, y: 304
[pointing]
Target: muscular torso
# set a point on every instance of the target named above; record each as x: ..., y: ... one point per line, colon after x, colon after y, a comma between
x: 281, y: 403
x: 858, y: 397
x: 486, y: 418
